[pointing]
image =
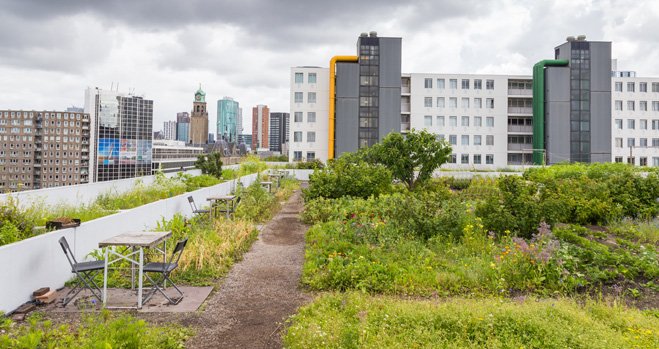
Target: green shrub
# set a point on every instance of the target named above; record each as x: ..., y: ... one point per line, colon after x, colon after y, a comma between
x: 257, y: 204
x: 251, y: 164
x: 314, y: 164
x: 276, y: 158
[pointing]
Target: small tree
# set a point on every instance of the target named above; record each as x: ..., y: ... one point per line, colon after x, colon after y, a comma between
x: 210, y: 164
x: 411, y: 158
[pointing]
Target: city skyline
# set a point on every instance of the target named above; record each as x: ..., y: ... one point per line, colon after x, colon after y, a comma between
x: 100, y: 45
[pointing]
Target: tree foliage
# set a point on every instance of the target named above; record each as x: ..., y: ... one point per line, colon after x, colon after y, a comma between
x: 210, y: 164
x: 411, y: 158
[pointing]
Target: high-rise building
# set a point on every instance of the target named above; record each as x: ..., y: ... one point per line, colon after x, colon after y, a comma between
x: 43, y: 149
x: 309, y: 124
x: 227, y: 119
x: 199, y: 119
x: 211, y: 138
x: 122, y: 127
x: 245, y: 139
x: 260, y: 126
x: 183, y: 127
x: 572, y: 103
x: 278, y: 131
x: 169, y: 130
x: 239, y: 122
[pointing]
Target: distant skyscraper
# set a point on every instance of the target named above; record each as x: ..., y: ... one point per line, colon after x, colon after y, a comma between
x: 239, y: 121
x: 122, y: 132
x: 260, y: 126
x: 278, y: 131
x: 227, y: 119
x: 183, y: 127
x: 211, y: 138
x: 245, y: 139
x: 199, y: 119
x: 169, y: 130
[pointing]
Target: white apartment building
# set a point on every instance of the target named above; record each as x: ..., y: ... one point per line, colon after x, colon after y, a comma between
x: 309, y: 101
x: 169, y: 130
x: 635, y: 117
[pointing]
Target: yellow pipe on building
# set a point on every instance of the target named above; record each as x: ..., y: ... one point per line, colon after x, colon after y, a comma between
x: 332, y: 98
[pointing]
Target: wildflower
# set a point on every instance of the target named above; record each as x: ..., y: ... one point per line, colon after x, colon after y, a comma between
x: 492, y: 265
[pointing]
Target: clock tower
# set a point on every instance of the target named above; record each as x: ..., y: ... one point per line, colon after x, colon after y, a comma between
x: 199, y: 119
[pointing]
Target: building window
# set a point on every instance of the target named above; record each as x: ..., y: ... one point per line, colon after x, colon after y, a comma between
x: 630, y: 105
x: 478, y: 85
x: 464, y: 140
x: 477, y: 159
x: 489, y: 103
x: 489, y: 121
x: 655, y: 142
x: 478, y: 121
x: 489, y: 159
x: 618, y: 142
x: 311, y: 116
x: 619, y: 124
x: 311, y: 79
x: 464, y: 158
x: 630, y: 87
x: 427, y: 83
x: 465, y: 84
x: 631, y: 124
x: 453, y: 121
x: 427, y: 121
x: 440, y: 121
x: 311, y: 155
x: 643, y: 105
x: 465, y: 121
x: 643, y: 124
x: 440, y: 102
x: 643, y: 142
x: 655, y: 161
x: 655, y: 105
x: 618, y: 86
x: 297, y: 137
x: 427, y: 102
x: 478, y: 103
x: 477, y: 140
x: 489, y: 140
x: 453, y: 84
x: 618, y: 105
x: 631, y: 142
x: 297, y: 156
x: 453, y: 102
x: 619, y: 159
x: 489, y: 84
x: 465, y: 102
x: 441, y: 84
x: 311, y: 136
x: 453, y: 139
x: 299, y: 97
x: 631, y: 160
x: 643, y: 161
x: 299, y: 78
x: 311, y: 97
x: 642, y: 87
x: 451, y: 159
x: 297, y: 116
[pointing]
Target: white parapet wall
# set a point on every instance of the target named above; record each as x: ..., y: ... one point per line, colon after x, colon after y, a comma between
x: 40, y: 262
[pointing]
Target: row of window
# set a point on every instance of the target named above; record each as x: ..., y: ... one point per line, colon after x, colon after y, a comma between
x: 642, y: 142
x: 298, y: 116
x: 299, y: 97
x: 25, y: 115
x: 631, y: 105
x: 453, y: 121
x: 453, y: 102
x: 642, y: 124
x: 464, y: 84
x: 297, y: 155
x: 464, y: 139
x: 299, y: 78
x: 631, y: 86
x: 643, y: 161
x: 311, y: 136
x: 476, y: 159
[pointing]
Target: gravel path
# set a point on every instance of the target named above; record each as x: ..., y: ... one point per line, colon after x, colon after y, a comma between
x: 261, y: 291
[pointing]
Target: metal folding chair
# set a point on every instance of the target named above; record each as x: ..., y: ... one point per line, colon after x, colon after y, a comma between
x: 85, y: 273
x: 194, y: 207
x: 164, y: 270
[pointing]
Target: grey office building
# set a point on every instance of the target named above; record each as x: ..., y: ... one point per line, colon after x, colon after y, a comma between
x: 279, y: 123
x: 368, y: 94
x: 576, y: 98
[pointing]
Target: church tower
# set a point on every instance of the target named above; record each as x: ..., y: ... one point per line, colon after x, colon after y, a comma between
x: 199, y: 119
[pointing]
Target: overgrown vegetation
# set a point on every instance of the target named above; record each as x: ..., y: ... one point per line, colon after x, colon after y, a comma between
x: 210, y: 164
x: 355, y: 320
x: 102, y: 330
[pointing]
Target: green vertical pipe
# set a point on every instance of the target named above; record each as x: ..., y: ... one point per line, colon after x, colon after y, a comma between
x: 539, y: 106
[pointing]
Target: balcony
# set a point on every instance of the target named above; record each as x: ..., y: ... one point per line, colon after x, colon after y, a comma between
x: 519, y: 92
x: 520, y: 146
x: 405, y: 89
x: 404, y: 107
x: 520, y: 128
x: 520, y: 110
x: 404, y: 127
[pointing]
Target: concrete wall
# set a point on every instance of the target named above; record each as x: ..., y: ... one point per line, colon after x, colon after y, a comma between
x: 347, y: 108
x: 39, y: 261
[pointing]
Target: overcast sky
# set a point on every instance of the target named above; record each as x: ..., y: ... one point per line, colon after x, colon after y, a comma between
x: 50, y: 51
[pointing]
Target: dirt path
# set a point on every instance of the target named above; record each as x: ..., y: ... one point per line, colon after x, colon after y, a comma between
x: 261, y: 291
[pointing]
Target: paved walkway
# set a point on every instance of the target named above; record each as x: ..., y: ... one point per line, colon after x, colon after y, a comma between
x: 261, y: 291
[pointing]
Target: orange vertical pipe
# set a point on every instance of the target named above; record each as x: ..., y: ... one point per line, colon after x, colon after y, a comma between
x: 332, y: 99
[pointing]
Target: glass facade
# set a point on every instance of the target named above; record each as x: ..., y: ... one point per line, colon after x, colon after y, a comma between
x: 227, y: 116
x: 369, y: 73
x: 580, y: 102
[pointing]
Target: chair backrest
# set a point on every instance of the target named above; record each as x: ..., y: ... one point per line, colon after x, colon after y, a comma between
x: 237, y: 201
x: 67, y: 251
x: 178, y: 251
x: 192, y: 204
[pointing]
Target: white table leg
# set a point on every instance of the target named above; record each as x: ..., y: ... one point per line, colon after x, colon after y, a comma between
x: 105, y: 278
x: 139, y: 282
